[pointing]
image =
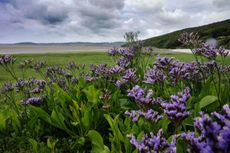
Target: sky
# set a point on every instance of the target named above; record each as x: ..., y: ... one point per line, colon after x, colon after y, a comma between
x: 102, y: 20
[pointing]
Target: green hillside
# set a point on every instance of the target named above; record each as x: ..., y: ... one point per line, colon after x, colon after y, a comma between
x: 219, y: 30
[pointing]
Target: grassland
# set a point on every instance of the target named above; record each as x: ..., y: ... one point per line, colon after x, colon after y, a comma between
x: 219, y: 31
x: 80, y: 58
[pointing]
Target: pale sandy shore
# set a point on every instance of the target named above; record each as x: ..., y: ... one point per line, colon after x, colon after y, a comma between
x: 36, y: 49
x: 60, y: 48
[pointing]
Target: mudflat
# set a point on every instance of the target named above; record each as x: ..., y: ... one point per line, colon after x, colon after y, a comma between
x: 50, y: 48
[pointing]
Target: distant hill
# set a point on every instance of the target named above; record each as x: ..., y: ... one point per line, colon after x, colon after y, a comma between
x: 219, y: 31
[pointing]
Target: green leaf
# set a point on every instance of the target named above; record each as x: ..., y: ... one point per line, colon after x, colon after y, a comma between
x: 92, y: 94
x: 97, y: 142
x: 86, y: 118
x: 41, y: 113
x: 207, y: 100
x: 34, y: 144
x: 58, y: 119
x: 2, y: 122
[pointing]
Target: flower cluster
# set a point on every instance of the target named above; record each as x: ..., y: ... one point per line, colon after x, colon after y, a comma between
x: 222, y: 52
x: 153, y: 76
x: 33, y: 101
x: 214, y: 136
x: 26, y: 64
x: 153, y: 143
x: 176, y: 109
x: 207, y: 50
x: 39, y: 65
x: 126, y: 56
x: 6, y: 59
x: 74, y: 66
x: 163, y: 63
x: 33, y: 85
x: 7, y: 87
x: 189, y: 39
x: 150, y: 115
x: 140, y: 96
x: 130, y: 76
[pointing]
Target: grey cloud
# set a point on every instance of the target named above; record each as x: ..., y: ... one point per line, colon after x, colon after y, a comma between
x: 46, y: 16
x: 115, y: 4
x: 223, y: 4
x: 102, y: 20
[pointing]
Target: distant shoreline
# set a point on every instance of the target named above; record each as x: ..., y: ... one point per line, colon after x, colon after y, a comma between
x: 64, y: 48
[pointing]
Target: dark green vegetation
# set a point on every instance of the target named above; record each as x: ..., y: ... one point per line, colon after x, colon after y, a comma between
x: 219, y: 31
x: 133, y: 101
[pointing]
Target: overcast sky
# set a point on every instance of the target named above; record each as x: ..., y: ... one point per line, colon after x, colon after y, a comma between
x: 102, y: 20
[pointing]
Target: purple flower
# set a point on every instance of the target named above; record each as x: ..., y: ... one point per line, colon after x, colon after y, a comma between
x: 36, y: 90
x: 123, y: 62
x: 127, y: 53
x: 150, y: 115
x: 223, y: 52
x: 121, y: 82
x: 130, y: 76
x: 90, y: 79
x: 189, y: 39
x: 116, y: 69
x: 212, y: 135
x: 7, y: 87
x: 113, y: 51
x: 41, y: 83
x: 154, y: 76
x: 140, y: 96
x: 207, y: 51
x: 34, y: 101
x: 176, y: 109
x: 20, y: 84
x: 151, y: 143
x: 6, y: 59
x: 164, y: 62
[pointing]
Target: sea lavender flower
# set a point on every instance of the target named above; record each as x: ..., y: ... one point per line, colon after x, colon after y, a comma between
x: 113, y: 51
x: 123, y: 62
x: 176, y: 109
x: 116, y: 69
x: 6, y: 59
x: 189, y: 39
x: 90, y: 79
x: 212, y: 135
x: 150, y: 115
x: 121, y: 82
x: 71, y: 65
x: 41, y: 83
x: 141, y: 97
x: 26, y: 64
x: 222, y: 52
x: 130, y: 74
x: 20, y: 84
x: 163, y: 62
x: 207, y: 51
x: 153, y: 76
x: 151, y: 143
x: 39, y: 65
x: 33, y: 101
x: 7, y: 87
x: 127, y: 53
x: 196, y: 144
x: 36, y: 90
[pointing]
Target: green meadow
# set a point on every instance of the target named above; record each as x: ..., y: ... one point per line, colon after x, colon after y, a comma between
x: 81, y: 58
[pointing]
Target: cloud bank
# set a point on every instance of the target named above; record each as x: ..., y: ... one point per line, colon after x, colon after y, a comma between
x: 102, y: 20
